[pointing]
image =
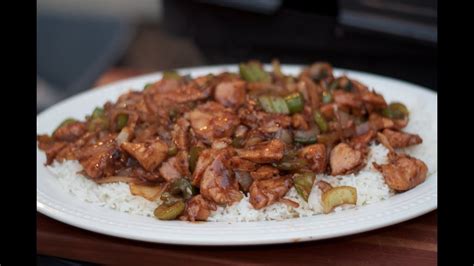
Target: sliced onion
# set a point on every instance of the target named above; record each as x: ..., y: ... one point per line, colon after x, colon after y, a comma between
x: 114, y: 179
x: 289, y: 202
x: 123, y: 136
x: 284, y: 135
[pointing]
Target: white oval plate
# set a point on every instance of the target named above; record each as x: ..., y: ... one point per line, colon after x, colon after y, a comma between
x: 58, y: 204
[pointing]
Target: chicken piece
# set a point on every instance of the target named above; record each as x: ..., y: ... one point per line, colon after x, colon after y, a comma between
x: 359, y: 87
x: 70, y: 132
x: 230, y: 93
x: 50, y: 147
x: 212, y: 121
x: 205, y: 159
x: 180, y: 134
x: 264, y: 172
x: 218, y: 183
x: 327, y: 110
x: 271, y: 123
x: 264, y: 152
x: 175, y: 167
x: 148, y: 154
x: 403, y: 172
x: 298, y: 122
x: 378, y: 122
x: 345, y: 160
x: 398, y: 139
x: 362, y: 140
x: 347, y: 99
x: 373, y: 100
x: 220, y: 144
x: 315, y: 155
x: 265, y: 192
x: 198, y: 209
x: 171, y: 90
x: 240, y: 164
x: 98, y: 159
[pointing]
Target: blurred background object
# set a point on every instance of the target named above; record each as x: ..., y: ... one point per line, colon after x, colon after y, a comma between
x: 78, y: 40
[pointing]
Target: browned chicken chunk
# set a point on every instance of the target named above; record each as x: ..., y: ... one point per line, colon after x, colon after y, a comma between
x: 363, y: 140
x: 264, y: 152
x: 148, y: 154
x: 403, y: 172
x: 175, y: 167
x: 316, y: 156
x: 180, y: 134
x: 70, y: 132
x: 198, y: 209
x: 264, y: 172
x: 267, y: 191
x: 218, y: 182
x: 346, y: 160
x: 399, y: 139
x: 230, y: 93
x: 212, y: 121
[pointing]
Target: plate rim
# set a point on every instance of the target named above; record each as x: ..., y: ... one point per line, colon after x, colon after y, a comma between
x: 69, y: 219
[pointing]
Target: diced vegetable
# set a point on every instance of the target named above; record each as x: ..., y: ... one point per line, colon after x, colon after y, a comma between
x: 66, y: 122
x: 164, y: 212
x: 183, y: 187
x: 305, y: 136
x: 238, y: 142
x: 396, y: 110
x: 304, y: 184
x: 253, y: 72
x: 279, y: 105
x: 265, y: 103
x: 172, y: 150
x: 284, y: 135
x: 338, y: 196
x: 148, y: 192
x: 171, y: 75
x: 194, y: 153
x: 147, y: 86
x: 273, y: 104
x: 320, y: 121
x: 122, y: 120
x: 169, y: 199
x: 98, y: 113
x: 294, y: 102
x: 328, y: 138
x: 98, y: 120
x: 277, y: 68
x: 327, y: 97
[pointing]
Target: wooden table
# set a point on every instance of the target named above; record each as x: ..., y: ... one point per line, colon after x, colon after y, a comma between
x: 410, y: 243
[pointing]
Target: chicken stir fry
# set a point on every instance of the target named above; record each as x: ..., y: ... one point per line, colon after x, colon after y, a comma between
x: 198, y: 143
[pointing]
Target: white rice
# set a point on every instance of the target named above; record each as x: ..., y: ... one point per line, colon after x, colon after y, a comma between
x: 369, y: 183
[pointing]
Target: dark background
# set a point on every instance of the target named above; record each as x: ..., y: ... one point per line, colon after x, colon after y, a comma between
x: 78, y: 40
